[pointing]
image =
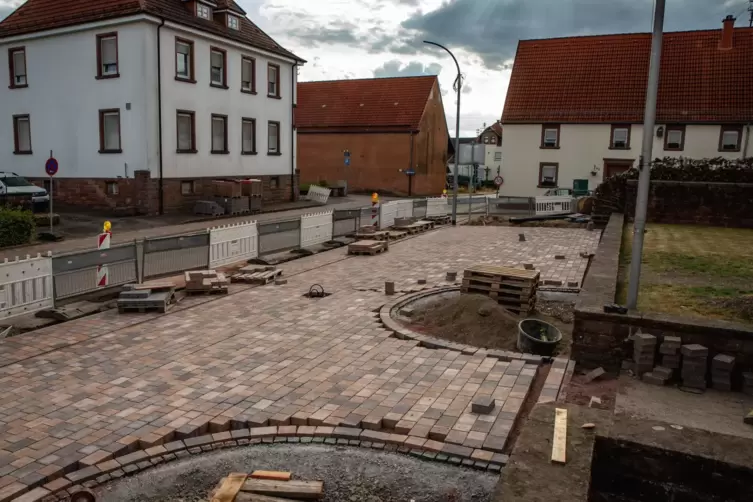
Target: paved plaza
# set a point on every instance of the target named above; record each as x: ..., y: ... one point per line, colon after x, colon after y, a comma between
x: 78, y: 393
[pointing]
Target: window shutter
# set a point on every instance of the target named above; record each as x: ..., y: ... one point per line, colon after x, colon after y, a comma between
x: 19, y: 63
x: 218, y: 135
x: 109, y: 51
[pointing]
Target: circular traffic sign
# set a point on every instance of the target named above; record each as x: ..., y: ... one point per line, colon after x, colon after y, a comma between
x: 51, y: 166
x: 498, y: 181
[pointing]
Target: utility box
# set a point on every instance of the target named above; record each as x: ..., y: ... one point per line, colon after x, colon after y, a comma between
x: 580, y: 188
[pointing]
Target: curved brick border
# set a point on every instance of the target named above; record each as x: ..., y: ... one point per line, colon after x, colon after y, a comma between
x: 404, y: 333
x: 125, y: 465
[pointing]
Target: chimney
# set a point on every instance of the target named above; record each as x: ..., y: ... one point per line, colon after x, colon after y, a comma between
x: 728, y: 29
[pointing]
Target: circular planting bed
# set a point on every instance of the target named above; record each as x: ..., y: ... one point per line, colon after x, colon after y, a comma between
x: 349, y: 474
x: 445, y: 318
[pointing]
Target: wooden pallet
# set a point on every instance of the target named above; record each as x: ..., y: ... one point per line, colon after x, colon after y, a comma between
x: 260, y: 276
x: 417, y: 227
x: 368, y: 247
x: 380, y: 235
x: 501, y: 286
x: 518, y: 295
x: 502, y: 275
x: 395, y: 235
x: 206, y: 292
x: 440, y: 220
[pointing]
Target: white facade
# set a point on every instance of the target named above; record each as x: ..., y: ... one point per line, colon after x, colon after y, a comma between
x: 64, y: 97
x: 584, y: 150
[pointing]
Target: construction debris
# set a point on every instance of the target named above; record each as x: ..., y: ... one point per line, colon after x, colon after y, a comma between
x: 266, y: 486
x: 644, y: 352
x: 368, y: 247
x: 206, y: 282
x: 273, y: 475
x: 593, y: 375
x: 588, y: 425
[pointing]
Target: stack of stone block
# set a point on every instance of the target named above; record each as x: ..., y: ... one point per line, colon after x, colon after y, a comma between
x: 644, y: 352
x: 670, y: 352
x: 748, y: 383
x: 206, y: 281
x: 694, y: 366
x: 721, y: 371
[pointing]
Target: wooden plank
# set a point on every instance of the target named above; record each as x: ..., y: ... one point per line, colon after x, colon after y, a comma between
x: 230, y: 486
x: 559, y: 442
x: 297, y: 490
x: 499, y: 288
x: 503, y: 271
x: 274, y: 475
x: 255, y: 497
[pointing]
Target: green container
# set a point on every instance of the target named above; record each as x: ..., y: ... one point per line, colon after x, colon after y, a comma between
x: 580, y: 188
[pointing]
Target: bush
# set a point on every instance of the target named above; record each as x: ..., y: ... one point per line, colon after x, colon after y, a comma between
x: 16, y: 227
x: 304, y: 187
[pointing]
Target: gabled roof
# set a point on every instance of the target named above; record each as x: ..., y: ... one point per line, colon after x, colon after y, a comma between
x: 604, y: 79
x: 379, y: 103
x: 496, y: 128
x: 39, y: 15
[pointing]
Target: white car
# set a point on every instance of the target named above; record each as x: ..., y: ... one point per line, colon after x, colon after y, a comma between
x: 17, y: 187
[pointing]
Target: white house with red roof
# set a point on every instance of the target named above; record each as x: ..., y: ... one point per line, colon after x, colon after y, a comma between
x: 574, y: 107
x: 144, y: 102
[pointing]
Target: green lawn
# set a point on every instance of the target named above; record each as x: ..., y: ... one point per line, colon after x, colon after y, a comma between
x: 693, y: 270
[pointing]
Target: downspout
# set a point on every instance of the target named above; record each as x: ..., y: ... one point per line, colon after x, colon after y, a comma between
x: 410, y: 164
x: 293, y: 97
x: 159, y: 116
x: 747, y: 141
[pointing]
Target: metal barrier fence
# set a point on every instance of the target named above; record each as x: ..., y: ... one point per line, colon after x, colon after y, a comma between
x: 437, y: 206
x: 369, y: 216
x: 512, y: 205
x: 345, y: 222
x: 419, y: 208
x: 280, y: 236
x: 168, y: 255
x: 232, y: 243
x: 316, y: 229
x: 404, y: 208
x: 76, y: 273
x: 387, y: 214
x: 26, y: 286
x: 318, y: 194
x: 554, y: 205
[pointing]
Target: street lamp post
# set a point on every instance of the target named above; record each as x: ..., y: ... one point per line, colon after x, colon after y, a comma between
x: 457, y: 135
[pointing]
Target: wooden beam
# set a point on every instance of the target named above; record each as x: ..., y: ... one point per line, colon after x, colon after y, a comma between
x: 229, y: 487
x: 297, y: 490
x: 273, y: 475
x: 255, y: 497
x: 559, y: 442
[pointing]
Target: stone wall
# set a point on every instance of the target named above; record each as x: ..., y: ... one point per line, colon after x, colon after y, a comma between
x: 707, y: 203
x: 601, y: 339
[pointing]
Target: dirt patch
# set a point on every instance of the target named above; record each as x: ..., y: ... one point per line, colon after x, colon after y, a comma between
x: 580, y: 392
x: 503, y: 221
x: 480, y: 321
x: 558, y: 310
x: 741, y: 306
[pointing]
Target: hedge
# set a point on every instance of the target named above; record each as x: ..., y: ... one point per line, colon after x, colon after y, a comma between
x: 16, y: 227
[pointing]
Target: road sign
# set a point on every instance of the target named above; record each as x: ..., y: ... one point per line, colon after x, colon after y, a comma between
x: 410, y: 172
x: 498, y: 181
x: 347, y: 161
x: 51, y: 166
x: 103, y: 241
x: 103, y: 276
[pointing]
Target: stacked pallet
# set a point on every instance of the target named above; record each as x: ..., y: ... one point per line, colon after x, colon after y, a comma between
x: 368, y: 247
x: 266, y: 486
x: 153, y: 297
x: 206, y: 282
x: 257, y: 275
x: 513, y: 288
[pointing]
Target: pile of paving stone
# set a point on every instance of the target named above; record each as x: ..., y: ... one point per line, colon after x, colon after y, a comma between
x: 206, y: 281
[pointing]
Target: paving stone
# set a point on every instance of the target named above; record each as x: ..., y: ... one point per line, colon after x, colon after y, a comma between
x: 483, y: 405
x: 694, y: 350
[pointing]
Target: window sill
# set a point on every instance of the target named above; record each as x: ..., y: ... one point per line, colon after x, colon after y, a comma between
x: 246, y: 91
x: 274, y: 153
x: 106, y: 77
x: 29, y: 152
x: 274, y: 96
x: 218, y: 86
x: 219, y: 152
x: 547, y: 186
x: 619, y: 148
x: 249, y: 153
x: 549, y: 147
x: 186, y: 80
x: 673, y: 149
x: 187, y: 151
x: 726, y: 150
x: 111, y: 151
x: 21, y: 86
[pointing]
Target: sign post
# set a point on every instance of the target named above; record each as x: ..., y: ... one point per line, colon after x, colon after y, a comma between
x: 51, y: 168
x: 374, y: 207
x: 103, y: 244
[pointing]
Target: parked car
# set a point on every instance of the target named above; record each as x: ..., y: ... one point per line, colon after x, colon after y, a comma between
x: 559, y: 191
x: 18, y: 190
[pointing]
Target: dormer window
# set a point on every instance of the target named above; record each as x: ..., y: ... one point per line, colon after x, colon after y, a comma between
x: 203, y: 11
x: 233, y: 22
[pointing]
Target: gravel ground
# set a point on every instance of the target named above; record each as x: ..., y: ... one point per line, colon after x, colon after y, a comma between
x: 349, y: 474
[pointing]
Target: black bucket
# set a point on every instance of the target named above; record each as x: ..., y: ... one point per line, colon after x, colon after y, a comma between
x: 538, y: 337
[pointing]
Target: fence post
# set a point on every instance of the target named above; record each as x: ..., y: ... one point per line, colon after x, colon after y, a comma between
x: 139, y: 260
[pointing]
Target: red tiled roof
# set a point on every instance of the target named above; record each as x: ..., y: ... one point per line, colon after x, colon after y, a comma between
x: 604, y: 79
x: 40, y: 15
x: 366, y: 103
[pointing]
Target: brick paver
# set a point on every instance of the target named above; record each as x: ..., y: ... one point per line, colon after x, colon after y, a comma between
x: 77, y: 394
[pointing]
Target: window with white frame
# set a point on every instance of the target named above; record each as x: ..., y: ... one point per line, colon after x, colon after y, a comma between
x: 186, y: 134
x: 107, y: 55
x: 109, y: 131
x: 730, y: 139
x: 233, y: 22
x: 548, y: 174
x: 17, y: 62
x: 248, y: 136
x: 219, y: 134
x: 273, y: 138
x: 620, y: 136
x: 203, y: 11
x: 22, y: 134
x: 273, y: 80
x: 675, y: 138
x: 183, y: 59
x: 550, y: 136
x: 248, y: 74
x: 217, y: 62
x: 497, y: 156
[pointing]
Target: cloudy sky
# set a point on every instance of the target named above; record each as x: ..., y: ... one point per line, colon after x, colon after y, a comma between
x: 383, y: 38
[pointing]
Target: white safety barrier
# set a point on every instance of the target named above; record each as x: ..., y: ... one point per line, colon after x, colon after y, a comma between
x: 387, y: 214
x: 233, y: 243
x: 404, y: 208
x: 553, y: 205
x: 318, y: 194
x: 436, y: 206
x: 316, y: 228
x: 25, y: 286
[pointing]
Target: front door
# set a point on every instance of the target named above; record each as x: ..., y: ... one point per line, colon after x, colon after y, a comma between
x: 613, y: 167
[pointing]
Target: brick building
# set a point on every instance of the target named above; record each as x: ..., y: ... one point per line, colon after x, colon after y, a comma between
x: 384, y: 126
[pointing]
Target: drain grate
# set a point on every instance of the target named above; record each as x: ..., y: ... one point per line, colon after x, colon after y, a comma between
x: 316, y: 291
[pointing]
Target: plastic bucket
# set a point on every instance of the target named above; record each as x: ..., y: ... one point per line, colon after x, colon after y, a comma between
x: 538, y: 337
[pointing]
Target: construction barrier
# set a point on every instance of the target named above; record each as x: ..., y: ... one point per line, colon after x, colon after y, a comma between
x: 77, y: 273
x: 316, y: 228
x: 233, y: 243
x: 165, y: 256
x: 25, y: 286
x: 279, y: 236
x: 404, y: 209
x: 318, y: 194
x: 387, y: 214
x: 345, y: 222
x: 553, y: 205
x: 437, y: 206
x: 419, y: 208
